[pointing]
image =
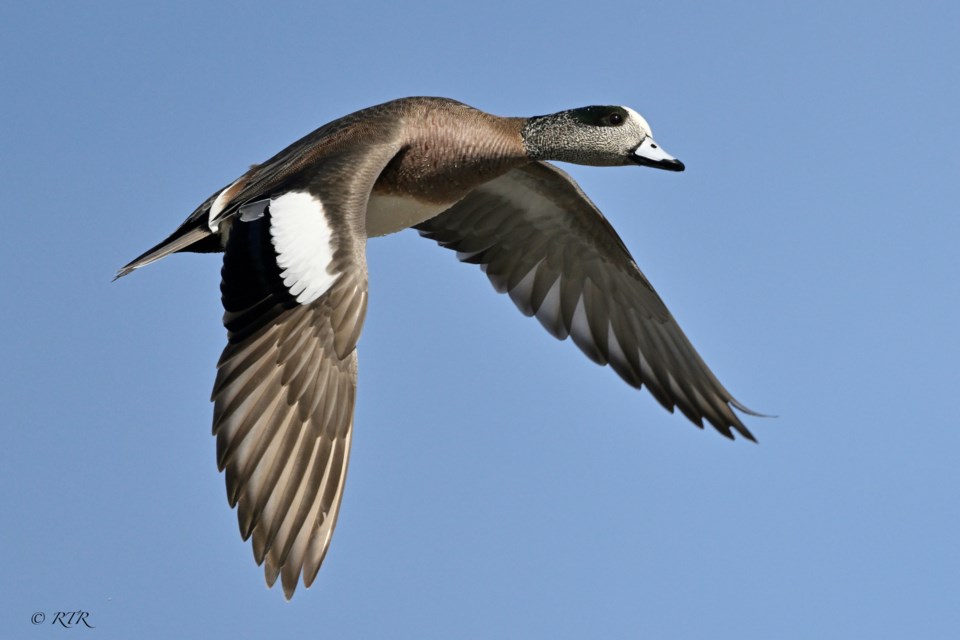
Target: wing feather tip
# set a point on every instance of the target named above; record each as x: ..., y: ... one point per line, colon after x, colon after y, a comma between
x: 289, y: 585
x: 734, y: 424
x: 750, y: 412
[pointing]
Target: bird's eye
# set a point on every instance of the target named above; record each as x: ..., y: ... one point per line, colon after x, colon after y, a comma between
x: 615, y: 119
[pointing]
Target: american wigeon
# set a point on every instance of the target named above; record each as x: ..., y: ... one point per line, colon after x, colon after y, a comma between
x: 294, y: 285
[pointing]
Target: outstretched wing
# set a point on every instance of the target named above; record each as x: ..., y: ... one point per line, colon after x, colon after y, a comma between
x: 294, y: 290
x: 540, y: 239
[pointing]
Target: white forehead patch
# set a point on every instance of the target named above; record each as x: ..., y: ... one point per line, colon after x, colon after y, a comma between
x: 640, y: 120
x: 302, y: 238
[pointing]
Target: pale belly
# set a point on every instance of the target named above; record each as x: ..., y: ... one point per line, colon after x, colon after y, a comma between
x: 389, y: 214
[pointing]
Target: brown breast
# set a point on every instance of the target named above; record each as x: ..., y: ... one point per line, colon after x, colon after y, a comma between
x: 451, y: 149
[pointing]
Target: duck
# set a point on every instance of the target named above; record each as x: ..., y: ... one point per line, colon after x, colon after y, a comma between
x: 293, y: 232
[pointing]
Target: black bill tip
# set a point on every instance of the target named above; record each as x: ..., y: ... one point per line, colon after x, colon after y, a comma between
x: 671, y: 164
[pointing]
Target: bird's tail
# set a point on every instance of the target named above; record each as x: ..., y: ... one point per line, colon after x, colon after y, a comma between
x: 178, y: 241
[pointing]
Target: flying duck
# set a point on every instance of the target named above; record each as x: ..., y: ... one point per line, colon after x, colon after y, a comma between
x: 293, y: 232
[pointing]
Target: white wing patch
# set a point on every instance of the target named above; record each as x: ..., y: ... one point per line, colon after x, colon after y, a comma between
x: 302, y: 238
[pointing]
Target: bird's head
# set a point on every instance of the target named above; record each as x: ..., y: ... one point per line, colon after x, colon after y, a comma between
x: 597, y: 136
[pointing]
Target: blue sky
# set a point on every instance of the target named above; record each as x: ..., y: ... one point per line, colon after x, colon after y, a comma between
x: 501, y: 485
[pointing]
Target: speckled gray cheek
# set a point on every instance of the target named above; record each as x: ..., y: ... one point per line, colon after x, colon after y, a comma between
x: 562, y: 137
